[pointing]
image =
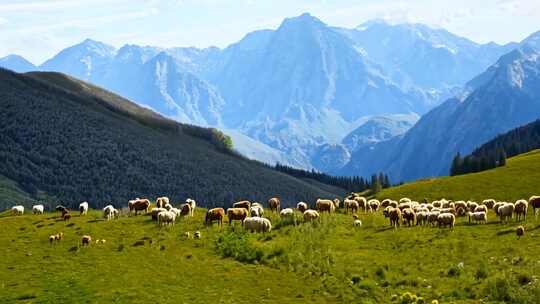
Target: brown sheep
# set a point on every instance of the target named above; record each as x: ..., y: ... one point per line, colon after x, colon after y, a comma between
x: 215, y: 214
x: 139, y: 205
x: 489, y: 203
x: 274, y: 204
x: 385, y: 203
x: 86, y: 240
x: 237, y: 214
x: 520, y: 231
x: 324, y: 206
x: 350, y: 204
x: 185, y: 209
x: 409, y: 217
x: 534, y: 201
x: 520, y: 210
x: 395, y: 216
x: 242, y: 204
x: 66, y: 216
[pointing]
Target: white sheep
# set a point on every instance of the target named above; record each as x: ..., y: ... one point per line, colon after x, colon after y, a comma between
x: 422, y: 217
x: 166, y: 218
x: 257, y: 224
x: 432, y: 216
x: 109, y: 212
x: 446, y: 219
x: 193, y: 205
x: 38, y: 209
x: 311, y: 215
x: 287, y: 214
x: 155, y: 213
x: 256, y: 210
x: 168, y: 206
x: 478, y: 217
x: 374, y: 204
x: 17, y: 210
x: 506, y: 211
x: 357, y: 223
x: 83, y: 208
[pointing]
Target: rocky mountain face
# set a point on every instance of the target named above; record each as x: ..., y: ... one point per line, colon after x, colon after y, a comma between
x: 504, y: 97
x: 293, y: 94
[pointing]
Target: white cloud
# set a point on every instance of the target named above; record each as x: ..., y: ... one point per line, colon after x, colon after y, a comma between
x: 3, y: 21
x: 46, y: 5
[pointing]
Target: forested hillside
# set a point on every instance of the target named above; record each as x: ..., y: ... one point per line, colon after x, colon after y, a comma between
x: 66, y: 139
x: 494, y: 153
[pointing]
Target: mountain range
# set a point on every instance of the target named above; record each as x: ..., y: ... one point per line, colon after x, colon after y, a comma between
x: 340, y: 100
x: 502, y: 98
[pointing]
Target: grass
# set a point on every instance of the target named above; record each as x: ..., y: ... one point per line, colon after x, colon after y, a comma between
x: 321, y: 262
x: 519, y: 179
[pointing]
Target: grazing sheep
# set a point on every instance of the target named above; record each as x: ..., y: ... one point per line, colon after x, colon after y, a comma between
x: 520, y: 231
x: 185, y: 210
x: 337, y: 202
x: 215, y: 214
x: 478, y: 217
x: 83, y: 208
x: 421, y: 218
x: 481, y: 208
x: 496, y: 207
x: 460, y: 211
x: 38, y: 209
x: 395, y: 217
x: 274, y: 204
x: 350, y: 204
x: 256, y: 210
x: 534, y: 201
x: 520, y: 210
x: 432, y: 217
x: 403, y: 206
x: 471, y: 205
x: 323, y: 205
x: 393, y: 204
x: 357, y: 223
x: 17, y: 210
x: 139, y: 205
x: 168, y: 207
x: 437, y: 204
x: 446, y: 219
x: 461, y: 204
x: 66, y: 216
x: 242, y: 204
x: 109, y: 212
x: 385, y: 203
x: 386, y: 211
x: 162, y: 201
x: 56, y: 237
x: 448, y: 210
x: 197, y: 235
x: 237, y: 214
x: 155, y: 212
x: 187, y: 235
x: 258, y: 224
x: 362, y: 203
x: 193, y: 204
x: 489, y: 203
x: 311, y: 215
x: 301, y: 206
x: 166, y: 218
x: 374, y: 204
x: 409, y: 217
x: 287, y: 214
x: 86, y: 240
x: 176, y: 211
x: 506, y: 211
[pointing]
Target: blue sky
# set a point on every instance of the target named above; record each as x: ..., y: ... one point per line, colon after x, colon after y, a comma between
x: 39, y: 29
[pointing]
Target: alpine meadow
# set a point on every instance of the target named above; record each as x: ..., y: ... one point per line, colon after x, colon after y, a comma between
x: 270, y: 151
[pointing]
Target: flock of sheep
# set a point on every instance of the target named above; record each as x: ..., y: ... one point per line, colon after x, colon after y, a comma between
x: 441, y: 213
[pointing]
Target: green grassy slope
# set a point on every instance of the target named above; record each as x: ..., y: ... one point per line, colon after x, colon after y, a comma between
x: 520, y: 178
x: 319, y: 263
